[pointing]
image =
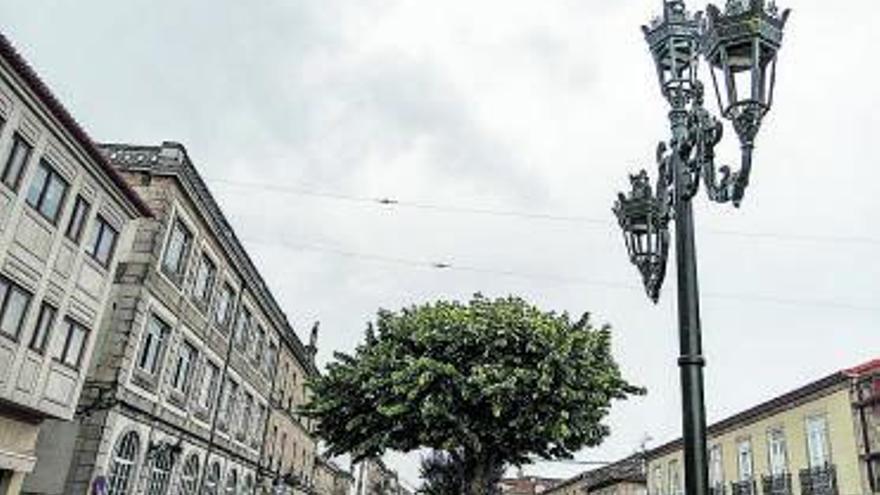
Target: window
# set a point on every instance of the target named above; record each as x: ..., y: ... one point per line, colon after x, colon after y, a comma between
x: 209, y: 384
x: 221, y: 313
x: 232, y: 483
x: 716, y: 469
x: 77, y: 219
x: 68, y: 345
x: 186, y: 356
x: 674, y: 477
x: 875, y: 469
x: 744, y: 460
x: 123, y: 465
x: 103, y: 241
x: 160, y: 474
x: 47, y: 191
x: 41, y: 330
x: 817, y: 441
x: 269, y: 364
x: 248, y: 484
x: 189, y: 477
x: 777, y: 452
x: 14, y: 302
x: 227, y: 407
x: 152, y: 343
x: 258, y: 424
x: 179, y: 242
x: 259, y: 337
x: 18, y: 157
x: 243, y: 328
x: 283, y: 445
x: 204, y: 279
x: 212, y: 479
x: 244, y: 426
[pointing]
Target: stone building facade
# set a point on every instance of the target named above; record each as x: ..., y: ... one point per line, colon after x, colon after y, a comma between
x: 809, y: 441
x: 330, y: 479
x: 290, y: 451
x: 178, y: 398
x: 64, y: 216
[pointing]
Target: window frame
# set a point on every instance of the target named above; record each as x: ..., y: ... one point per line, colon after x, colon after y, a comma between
x: 17, y: 139
x: 76, y: 236
x: 40, y: 348
x: 103, y: 226
x: 206, y: 400
x: 741, y: 473
x: 71, y: 326
x: 176, y: 273
x: 164, y: 333
x: 178, y: 383
x: 189, y: 476
x: 826, y: 440
x: 777, y: 434
x: 4, y: 305
x: 51, y: 173
x: 132, y: 442
x: 226, y: 290
x: 243, y: 327
x: 211, y: 280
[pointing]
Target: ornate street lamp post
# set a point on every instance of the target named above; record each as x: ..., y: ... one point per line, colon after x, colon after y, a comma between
x: 739, y: 44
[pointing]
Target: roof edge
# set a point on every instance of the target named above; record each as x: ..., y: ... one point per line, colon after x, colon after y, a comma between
x: 777, y: 402
x: 57, y: 110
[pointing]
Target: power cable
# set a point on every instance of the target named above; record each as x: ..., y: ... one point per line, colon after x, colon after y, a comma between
x: 393, y: 202
x: 446, y: 265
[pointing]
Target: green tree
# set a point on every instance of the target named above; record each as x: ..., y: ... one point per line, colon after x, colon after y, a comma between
x: 495, y: 381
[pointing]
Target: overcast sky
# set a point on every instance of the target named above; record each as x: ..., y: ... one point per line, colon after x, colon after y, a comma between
x: 537, y: 107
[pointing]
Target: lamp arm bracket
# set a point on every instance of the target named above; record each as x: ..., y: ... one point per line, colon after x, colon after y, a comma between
x: 722, y: 183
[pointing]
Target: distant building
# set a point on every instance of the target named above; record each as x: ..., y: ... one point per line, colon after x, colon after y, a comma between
x: 330, y: 479
x: 526, y: 485
x: 290, y: 457
x: 820, y: 439
x: 65, y: 214
x: 624, y: 477
x: 374, y: 477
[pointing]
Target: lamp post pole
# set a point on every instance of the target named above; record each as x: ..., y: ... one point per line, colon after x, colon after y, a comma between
x: 739, y: 44
x: 690, y: 361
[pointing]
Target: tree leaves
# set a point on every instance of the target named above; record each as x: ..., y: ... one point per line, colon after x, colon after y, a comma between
x: 497, y: 377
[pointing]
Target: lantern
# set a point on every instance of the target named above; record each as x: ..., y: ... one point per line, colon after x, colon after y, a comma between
x: 740, y: 45
x: 644, y: 219
x: 674, y: 42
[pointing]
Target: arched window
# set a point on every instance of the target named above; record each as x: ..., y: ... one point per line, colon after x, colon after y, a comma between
x: 248, y: 485
x: 189, y: 477
x: 232, y: 483
x: 124, y: 465
x: 160, y: 473
x: 213, y: 479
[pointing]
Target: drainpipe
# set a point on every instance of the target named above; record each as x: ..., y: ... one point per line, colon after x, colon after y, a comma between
x: 269, y: 408
x: 223, y: 384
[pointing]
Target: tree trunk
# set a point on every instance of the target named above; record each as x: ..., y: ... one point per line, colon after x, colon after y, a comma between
x: 482, y: 473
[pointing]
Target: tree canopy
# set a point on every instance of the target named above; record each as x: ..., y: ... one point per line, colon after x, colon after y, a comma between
x: 494, y: 381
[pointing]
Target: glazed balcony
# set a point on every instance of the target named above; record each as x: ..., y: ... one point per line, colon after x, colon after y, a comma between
x: 777, y: 484
x: 744, y: 487
x: 821, y: 480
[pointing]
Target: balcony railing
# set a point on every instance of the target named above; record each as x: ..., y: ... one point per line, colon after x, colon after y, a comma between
x: 744, y: 487
x: 777, y: 484
x: 716, y: 489
x: 821, y: 480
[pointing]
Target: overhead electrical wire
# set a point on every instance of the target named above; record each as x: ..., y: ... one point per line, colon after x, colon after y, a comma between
x: 386, y: 201
x: 447, y: 265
